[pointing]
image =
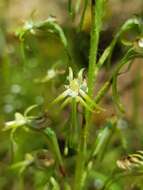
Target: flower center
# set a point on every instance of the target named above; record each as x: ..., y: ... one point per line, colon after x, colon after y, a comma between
x: 74, y: 85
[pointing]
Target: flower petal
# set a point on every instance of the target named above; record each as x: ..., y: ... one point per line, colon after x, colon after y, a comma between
x: 83, y: 103
x: 67, y: 101
x: 61, y: 97
x: 88, y: 99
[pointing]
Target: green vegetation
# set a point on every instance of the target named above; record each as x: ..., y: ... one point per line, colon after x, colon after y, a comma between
x: 52, y: 100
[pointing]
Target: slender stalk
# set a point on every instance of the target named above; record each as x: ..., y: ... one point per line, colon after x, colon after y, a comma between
x: 97, y: 11
x: 77, y: 7
x: 101, y: 93
x: 136, y: 97
x: 54, y: 144
x: 23, y: 55
x: 70, y: 8
x: 21, y: 182
x: 80, y: 161
x: 117, y: 177
x: 74, y: 126
x: 83, y: 14
x: 74, y: 115
x: 97, y: 14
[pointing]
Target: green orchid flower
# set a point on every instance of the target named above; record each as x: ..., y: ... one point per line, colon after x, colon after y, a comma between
x: 23, y: 165
x: 50, y: 75
x: 21, y: 120
x: 77, y: 90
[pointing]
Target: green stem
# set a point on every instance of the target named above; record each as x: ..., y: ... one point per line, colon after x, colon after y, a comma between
x: 54, y: 144
x: 78, y: 182
x: 83, y: 15
x: 70, y: 8
x: 74, y: 121
x: 136, y: 97
x: 77, y: 7
x: 130, y: 55
x: 101, y: 93
x: 21, y: 182
x: 97, y: 12
x: 117, y: 176
x: 23, y: 55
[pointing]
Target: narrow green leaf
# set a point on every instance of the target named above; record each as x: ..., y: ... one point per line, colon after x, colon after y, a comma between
x: 103, y: 91
x: 54, y: 144
x: 60, y: 97
x: 103, y: 139
x: 70, y: 8
x: 55, y: 184
x: 49, y: 24
x: 97, y: 15
x: 29, y: 109
x: 90, y: 101
x: 83, y: 14
x: 104, y: 57
x: 83, y: 103
x: 66, y: 102
x: 130, y: 55
x: 128, y: 25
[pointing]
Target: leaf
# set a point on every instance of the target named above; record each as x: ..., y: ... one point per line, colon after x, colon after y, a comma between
x: 90, y: 102
x: 104, y: 57
x: 103, y: 139
x: 71, y: 9
x: 83, y: 103
x: 83, y: 14
x: 29, y: 109
x: 54, y: 144
x: 22, y: 165
x: 102, y: 91
x: 97, y: 15
x: 100, y: 177
x: 129, y: 56
x: 128, y: 25
x: 55, y: 184
x: 49, y: 24
x: 60, y: 97
x: 122, y: 125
